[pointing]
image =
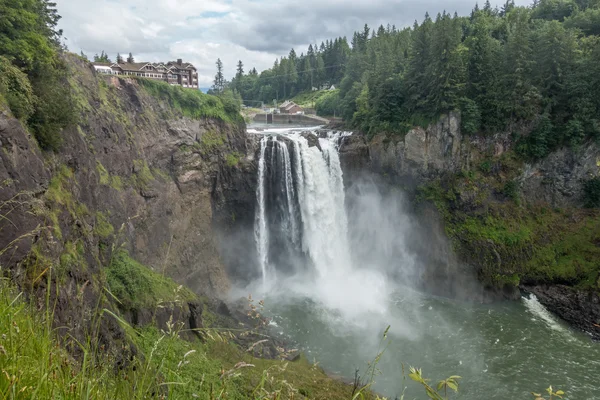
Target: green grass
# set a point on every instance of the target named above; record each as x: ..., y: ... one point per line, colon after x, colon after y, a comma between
x: 103, y: 227
x: 72, y: 258
x: 143, y: 175
x: 192, y: 103
x: 137, y: 286
x: 35, y: 365
x: 102, y: 173
x: 211, y: 142
x: 232, y: 159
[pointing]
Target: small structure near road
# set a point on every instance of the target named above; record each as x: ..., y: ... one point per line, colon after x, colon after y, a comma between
x: 289, y: 107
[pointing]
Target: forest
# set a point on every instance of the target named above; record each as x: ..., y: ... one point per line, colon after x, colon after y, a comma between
x: 532, y: 71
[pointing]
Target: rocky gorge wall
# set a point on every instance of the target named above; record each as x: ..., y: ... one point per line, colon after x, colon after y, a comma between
x: 515, y: 224
x: 135, y: 174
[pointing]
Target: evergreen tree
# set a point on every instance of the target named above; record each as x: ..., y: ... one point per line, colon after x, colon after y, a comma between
x: 130, y: 59
x: 240, y: 69
x: 219, y: 81
x: 119, y: 59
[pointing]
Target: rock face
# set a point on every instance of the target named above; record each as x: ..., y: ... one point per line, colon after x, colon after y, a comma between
x: 135, y: 174
x: 580, y: 309
x: 558, y: 179
x: 426, y: 154
x: 423, y: 153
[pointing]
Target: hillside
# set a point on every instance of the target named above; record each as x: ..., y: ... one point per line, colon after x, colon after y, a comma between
x: 98, y: 235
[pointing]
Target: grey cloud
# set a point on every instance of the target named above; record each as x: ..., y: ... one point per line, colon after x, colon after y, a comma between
x: 283, y: 25
x: 254, y: 31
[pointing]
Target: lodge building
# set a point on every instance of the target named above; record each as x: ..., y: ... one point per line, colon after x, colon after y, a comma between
x: 173, y: 72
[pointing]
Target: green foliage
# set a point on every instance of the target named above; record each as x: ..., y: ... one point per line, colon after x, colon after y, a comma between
x: 16, y: 90
x: 509, y: 240
x: 510, y: 70
x: 537, y: 144
x: 329, y: 104
x: 232, y: 159
x: 193, y: 103
x: 138, y: 287
x: 103, y: 227
x: 310, y: 98
x: 511, y: 190
x: 554, y: 9
x: 72, y: 258
x: 591, y: 192
x: 30, y: 41
x: 470, y: 116
x: 103, y: 173
x: 416, y: 374
x: 142, y: 174
x: 211, y: 142
x: 588, y: 21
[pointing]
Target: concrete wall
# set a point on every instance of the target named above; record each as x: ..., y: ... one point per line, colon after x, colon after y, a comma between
x: 291, y: 119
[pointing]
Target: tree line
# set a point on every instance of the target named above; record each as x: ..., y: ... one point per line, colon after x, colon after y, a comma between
x: 321, y: 66
x: 533, y: 71
x: 104, y: 58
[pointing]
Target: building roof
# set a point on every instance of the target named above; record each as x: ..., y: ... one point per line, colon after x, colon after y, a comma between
x: 183, y: 65
x: 288, y: 105
x: 131, y: 66
x: 137, y: 67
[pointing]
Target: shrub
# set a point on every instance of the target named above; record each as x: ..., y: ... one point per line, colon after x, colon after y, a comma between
x: 329, y: 104
x: 16, y: 90
x: 591, y: 192
x: 193, y: 103
x: 137, y: 286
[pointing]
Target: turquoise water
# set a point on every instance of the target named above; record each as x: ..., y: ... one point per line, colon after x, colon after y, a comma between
x: 502, y: 351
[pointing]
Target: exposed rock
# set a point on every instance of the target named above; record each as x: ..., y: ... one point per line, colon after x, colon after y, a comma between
x: 355, y: 157
x: 580, y: 308
x: 313, y: 140
x: 558, y: 179
x: 133, y: 174
x: 422, y: 153
x: 23, y: 179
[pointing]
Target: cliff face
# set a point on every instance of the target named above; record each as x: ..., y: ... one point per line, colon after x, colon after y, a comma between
x: 517, y: 224
x: 134, y: 174
x: 426, y: 154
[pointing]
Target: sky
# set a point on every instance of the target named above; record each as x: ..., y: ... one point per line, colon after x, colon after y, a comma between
x: 254, y: 31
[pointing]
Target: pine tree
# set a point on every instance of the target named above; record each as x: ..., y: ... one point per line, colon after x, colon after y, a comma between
x: 130, y: 59
x: 119, y: 59
x: 240, y: 69
x: 219, y: 82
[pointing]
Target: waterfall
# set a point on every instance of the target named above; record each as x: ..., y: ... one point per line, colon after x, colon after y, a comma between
x: 260, y: 226
x: 301, y: 207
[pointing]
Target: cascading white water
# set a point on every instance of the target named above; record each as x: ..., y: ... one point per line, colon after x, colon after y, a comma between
x: 314, y: 195
x: 261, y: 234
x: 303, y: 227
x: 323, y: 210
x: 290, y: 195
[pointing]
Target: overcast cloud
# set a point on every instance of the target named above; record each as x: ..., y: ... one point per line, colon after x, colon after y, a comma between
x: 254, y: 31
